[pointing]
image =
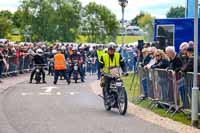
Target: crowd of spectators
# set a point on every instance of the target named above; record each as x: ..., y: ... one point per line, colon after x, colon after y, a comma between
x: 169, y: 59
x: 16, y: 58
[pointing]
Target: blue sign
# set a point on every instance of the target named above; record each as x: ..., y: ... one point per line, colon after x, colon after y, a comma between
x: 190, y: 9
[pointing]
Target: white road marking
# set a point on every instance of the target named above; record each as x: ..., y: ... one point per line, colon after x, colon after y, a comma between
x: 72, y: 93
x: 26, y: 94
x: 58, y: 93
x: 48, y: 90
x: 45, y: 94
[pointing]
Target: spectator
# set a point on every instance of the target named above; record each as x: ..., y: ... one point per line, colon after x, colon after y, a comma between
x: 145, y: 57
x: 162, y: 60
x: 2, y: 62
x: 183, y: 52
x: 189, y: 66
x: 191, y: 43
x: 175, y: 61
x: 152, y: 51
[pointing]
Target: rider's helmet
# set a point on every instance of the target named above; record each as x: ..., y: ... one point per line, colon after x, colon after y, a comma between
x: 112, y: 46
x: 54, y: 51
x: 91, y: 49
x: 100, y: 46
x: 81, y: 47
x: 39, y: 52
x: 74, y: 49
x: 63, y: 48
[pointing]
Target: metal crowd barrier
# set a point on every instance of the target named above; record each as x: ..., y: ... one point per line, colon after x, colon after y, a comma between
x: 17, y: 65
x: 167, y: 89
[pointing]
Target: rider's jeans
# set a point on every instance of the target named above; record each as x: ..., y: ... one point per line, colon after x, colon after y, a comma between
x: 57, y: 73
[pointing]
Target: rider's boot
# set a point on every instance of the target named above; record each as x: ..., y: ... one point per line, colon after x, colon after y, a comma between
x: 68, y: 81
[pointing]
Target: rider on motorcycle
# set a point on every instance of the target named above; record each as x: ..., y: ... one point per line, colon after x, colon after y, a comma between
x: 76, y: 57
x: 38, y: 59
x: 50, y: 62
x: 110, y: 61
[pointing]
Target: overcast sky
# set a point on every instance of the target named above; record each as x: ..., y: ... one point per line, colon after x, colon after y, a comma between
x: 157, y: 8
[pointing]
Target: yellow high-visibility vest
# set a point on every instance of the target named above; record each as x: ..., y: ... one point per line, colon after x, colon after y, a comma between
x: 99, y: 54
x: 108, y: 63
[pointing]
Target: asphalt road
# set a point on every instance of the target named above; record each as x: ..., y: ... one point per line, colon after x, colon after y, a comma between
x: 62, y: 108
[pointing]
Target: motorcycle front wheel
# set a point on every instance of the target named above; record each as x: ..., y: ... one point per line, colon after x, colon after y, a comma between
x: 122, y: 101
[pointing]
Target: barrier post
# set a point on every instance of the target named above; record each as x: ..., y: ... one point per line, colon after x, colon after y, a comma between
x: 195, y: 89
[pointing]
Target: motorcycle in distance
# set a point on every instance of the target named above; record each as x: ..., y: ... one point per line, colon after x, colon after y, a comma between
x: 89, y: 65
x: 117, y: 96
x: 38, y: 73
x: 75, y: 67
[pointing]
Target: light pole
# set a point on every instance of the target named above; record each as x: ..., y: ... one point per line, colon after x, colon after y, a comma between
x: 123, y: 4
x: 195, y: 89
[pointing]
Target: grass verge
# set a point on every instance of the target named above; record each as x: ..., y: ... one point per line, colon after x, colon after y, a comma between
x: 133, y: 93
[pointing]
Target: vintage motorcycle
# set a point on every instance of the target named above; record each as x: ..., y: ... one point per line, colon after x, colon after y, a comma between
x: 38, y: 73
x: 117, y: 96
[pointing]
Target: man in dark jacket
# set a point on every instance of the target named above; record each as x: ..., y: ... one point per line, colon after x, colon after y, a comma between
x: 189, y: 66
x: 175, y: 62
x: 38, y: 59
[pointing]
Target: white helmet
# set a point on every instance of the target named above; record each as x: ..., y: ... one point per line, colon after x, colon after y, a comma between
x: 39, y: 51
x: 106, y: 49
x: 90, y: 49
x: 54, y: 51
x: 63, y: 48
x: 74, y: 48
x: 112, y: 43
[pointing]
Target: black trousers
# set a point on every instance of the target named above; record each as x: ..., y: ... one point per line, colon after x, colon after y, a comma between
x: 33, y: 73
x: 107, y: 81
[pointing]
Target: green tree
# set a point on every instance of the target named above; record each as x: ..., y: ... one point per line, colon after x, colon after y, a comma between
x: 101, y: 23
x: 137, y: 18
x: 50, y: 20
x: 6, y: 14
x: 5, y: 23
x: 145, y: 21
x: 176, y: 12
x: 5, y: 26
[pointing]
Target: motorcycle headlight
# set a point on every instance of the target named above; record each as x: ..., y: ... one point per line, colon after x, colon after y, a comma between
x: 38, y: 70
